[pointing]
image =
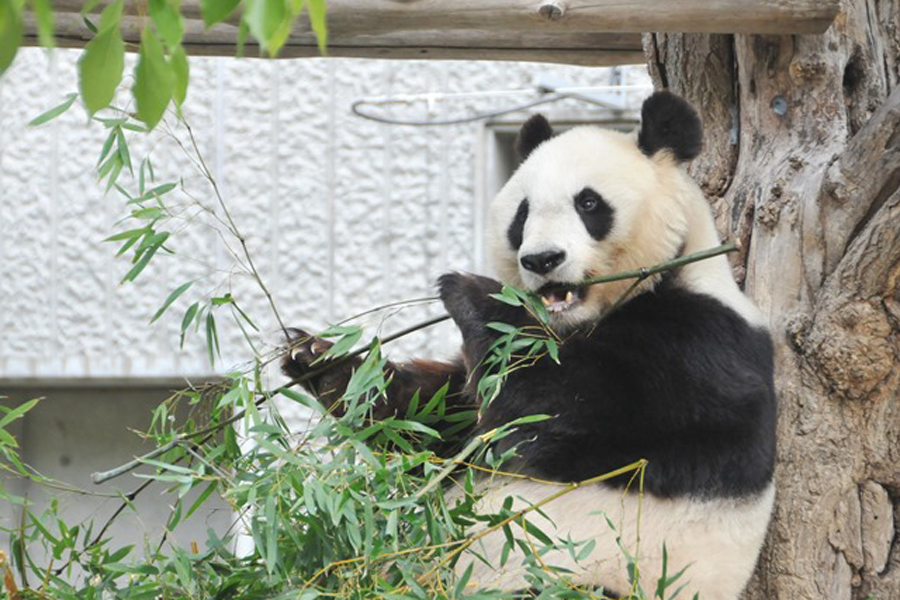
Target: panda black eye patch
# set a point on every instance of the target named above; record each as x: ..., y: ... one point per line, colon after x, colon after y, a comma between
x: 595, y: 213
x: 517, y: 227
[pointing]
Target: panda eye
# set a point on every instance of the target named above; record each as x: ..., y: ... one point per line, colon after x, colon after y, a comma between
x: 587, y: 201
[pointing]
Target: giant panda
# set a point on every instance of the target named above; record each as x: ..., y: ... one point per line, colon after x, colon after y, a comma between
x: 680, y: 373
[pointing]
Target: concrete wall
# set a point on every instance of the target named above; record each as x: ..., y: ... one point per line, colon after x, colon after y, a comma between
x: 74, y: 432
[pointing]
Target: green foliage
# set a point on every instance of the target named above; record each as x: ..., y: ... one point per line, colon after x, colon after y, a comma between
x: 103, y: 61
x: 10, y: 31
x: 154, y: 80
x: 45, y: 21
x: 162, y: 74
x: 215, y: 11
x: 353, y: 509
x: 55, y: 111
x: 516, y: 348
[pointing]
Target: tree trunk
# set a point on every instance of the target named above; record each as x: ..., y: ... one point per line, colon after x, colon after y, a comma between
x: 802, y: 166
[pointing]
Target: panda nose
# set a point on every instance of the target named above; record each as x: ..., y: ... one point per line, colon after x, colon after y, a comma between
x: 543, y: 262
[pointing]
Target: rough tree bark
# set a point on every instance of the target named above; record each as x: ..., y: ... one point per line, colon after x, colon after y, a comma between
x: 803, y: 166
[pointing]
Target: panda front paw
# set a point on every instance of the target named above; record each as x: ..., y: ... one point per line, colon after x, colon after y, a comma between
x: 464, y: 291
x: 305, y: 362
x: 468, y: 299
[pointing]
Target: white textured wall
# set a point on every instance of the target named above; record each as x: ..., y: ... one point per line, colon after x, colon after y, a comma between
x: 341, y: 213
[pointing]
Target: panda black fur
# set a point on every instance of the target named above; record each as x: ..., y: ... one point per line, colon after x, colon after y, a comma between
x: 680, y: 374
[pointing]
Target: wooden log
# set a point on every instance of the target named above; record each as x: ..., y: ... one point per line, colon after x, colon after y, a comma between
x: 359, y: 17
x: 581, y: 48
x: 585, y: 32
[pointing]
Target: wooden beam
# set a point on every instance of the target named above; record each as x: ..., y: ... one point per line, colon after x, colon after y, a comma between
x: 589, y: 49
x: 586, y: 32
x: 358, y: 17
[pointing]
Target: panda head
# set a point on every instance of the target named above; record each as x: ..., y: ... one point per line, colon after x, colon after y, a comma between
x: 592, y: 202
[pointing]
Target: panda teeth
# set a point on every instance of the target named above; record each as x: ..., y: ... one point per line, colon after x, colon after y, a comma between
x: 569, y: 296
x: 546, y: 301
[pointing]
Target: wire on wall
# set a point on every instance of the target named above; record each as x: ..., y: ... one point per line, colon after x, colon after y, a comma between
x: 548, y: 95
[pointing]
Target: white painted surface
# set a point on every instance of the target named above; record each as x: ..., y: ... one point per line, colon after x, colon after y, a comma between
x: 341, y: 214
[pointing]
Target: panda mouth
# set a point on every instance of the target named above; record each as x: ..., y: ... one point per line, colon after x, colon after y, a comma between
x: 559, y: 297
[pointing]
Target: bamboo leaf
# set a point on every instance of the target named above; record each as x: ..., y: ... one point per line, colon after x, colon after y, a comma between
x: 243, y: 31
x: 100, y: 67
x: 6, y: 439
x: 271, y: 533
x: 181, y: 72
x: 55, y: 111
x: 201, y: 498
x: 502, y: 327
x: 44, y: 17
x: 189, y: 315
x: 122, y: 145
x: 214, y: 11
x: 113, y: 174
x: 107, y: 146
x: 303, y: 400
x: 18, y: 412
x: 317, y: 20
x: 153, y: 80
x: 244, y: 315
x: 88, y: 7
x: 265, y: 19
x: 586, y: 550
x: 172, y: 298
x: 348, y: 338
x: 90, y: 25
x: 10, y: 32
x: 552, y: 349
x: 125, y: 247
x: 167, y: 17
x: 507, y: 296
x: 140, y: 265
x: 127, y: 235
x: 141, y: 177
x: 212, y: 338
x: 412, y: 426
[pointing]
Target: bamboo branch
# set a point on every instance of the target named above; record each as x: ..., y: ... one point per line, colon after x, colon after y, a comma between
x: 669, y: 265
x: 103, y: 476
x: 235, y: 231
x: 638, y: 466
x: 637, y: 274
x: 99, y: 477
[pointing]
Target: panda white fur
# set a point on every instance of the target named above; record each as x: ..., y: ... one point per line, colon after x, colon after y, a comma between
x: 679, y: 374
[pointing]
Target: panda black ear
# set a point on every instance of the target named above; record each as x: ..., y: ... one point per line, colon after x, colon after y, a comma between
x: 668, y: 122
x: 534, y: 132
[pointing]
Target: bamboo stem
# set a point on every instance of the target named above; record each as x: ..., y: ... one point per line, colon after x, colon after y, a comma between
x: 645, y: 272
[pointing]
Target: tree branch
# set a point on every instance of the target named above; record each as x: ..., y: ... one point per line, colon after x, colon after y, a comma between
x: 858, y: 184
